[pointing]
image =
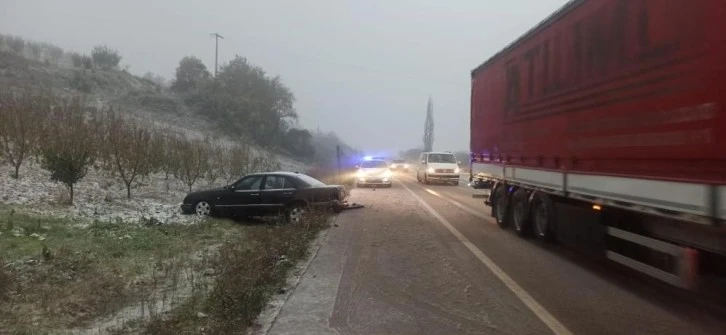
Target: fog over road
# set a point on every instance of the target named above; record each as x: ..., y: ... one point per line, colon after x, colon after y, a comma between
x: 428, y: 259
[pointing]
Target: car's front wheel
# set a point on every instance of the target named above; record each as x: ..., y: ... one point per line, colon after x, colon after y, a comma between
x: 295, y: 213
x: 203, y: 208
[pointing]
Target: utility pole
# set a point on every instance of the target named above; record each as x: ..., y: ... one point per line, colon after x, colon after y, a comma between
x: 216, y: 50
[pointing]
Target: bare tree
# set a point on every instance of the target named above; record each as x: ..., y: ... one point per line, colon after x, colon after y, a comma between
x: 428, y: 137
x: 19, y: 123
x: 68, y: 148
x: 215, y: 166
x: 128, y: 148
x: 165, y: 145
x: 237, y: 162
x: 192, y: 157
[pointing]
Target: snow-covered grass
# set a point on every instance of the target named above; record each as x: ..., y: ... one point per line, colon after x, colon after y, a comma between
x: 60, y: 276
x: 98, y: 197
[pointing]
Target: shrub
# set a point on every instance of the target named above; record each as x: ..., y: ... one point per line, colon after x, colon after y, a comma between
x: 105, y: 57
x: 69, y: 146
x: 77, y: 60
x: 16, y: 44
x: 81, y: 82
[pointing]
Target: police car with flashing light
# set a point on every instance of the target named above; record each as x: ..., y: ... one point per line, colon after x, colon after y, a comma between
x: 373, y: 172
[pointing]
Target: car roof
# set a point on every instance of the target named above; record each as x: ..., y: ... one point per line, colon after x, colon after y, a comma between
x: 283, y: 173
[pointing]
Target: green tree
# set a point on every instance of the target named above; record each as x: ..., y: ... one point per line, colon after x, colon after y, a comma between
x: 299, y: 143
x: 190, y: 75
x: 245, y: 101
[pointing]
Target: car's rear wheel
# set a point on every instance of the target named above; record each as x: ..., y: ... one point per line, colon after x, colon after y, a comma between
x: 203, y: 208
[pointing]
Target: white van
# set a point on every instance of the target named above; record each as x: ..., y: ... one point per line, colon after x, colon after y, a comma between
x: 438, y: 166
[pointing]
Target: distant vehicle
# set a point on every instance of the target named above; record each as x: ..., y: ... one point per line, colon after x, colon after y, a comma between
x: 263, y: 194
x: 374, y: 172
x: 619, y: 153
x: 400, y: 164
x: 438, y: 166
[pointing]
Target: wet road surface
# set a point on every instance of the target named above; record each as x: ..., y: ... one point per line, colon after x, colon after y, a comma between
x: 428, y: 259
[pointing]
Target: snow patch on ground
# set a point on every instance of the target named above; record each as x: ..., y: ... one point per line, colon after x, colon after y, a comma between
x: 97, y: 197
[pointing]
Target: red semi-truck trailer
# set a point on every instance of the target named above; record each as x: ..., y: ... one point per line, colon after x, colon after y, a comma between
x: 605, y: 125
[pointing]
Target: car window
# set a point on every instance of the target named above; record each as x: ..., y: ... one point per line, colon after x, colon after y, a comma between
x: 373, y: 164
x: 277, y: 183
x: 442, y: 158
x: 249, y: 183
x: 310, y: 180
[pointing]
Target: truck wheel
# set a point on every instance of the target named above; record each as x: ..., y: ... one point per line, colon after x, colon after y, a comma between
x: 543, y: 217
x: 500, y: 206
x: 521, y: 212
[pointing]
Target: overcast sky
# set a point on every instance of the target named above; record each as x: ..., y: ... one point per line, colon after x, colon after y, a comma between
x: 362, y: 68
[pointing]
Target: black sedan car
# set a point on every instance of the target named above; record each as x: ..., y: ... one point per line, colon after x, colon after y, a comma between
x: 269, y: 193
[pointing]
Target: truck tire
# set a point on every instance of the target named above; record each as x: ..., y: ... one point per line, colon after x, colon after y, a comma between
x: 544, y: 223
x: 521, y: 213
x: 500, y: 206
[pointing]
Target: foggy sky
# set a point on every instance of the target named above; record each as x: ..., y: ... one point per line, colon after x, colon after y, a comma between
x: 362, y: 68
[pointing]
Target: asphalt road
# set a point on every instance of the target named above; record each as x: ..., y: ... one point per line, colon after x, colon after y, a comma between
x: 428, y: 259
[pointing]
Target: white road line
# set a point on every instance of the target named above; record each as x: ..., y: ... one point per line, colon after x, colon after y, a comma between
x: 548, y: 319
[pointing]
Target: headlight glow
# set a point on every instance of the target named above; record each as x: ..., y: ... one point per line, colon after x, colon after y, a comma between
x: 430, y: 170
x: 405, y: 166
x: 387, y: 174
x: 360, y: 174
x: 457, y: 170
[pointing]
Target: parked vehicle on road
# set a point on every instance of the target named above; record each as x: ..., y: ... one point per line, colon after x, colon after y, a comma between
x: 374, y: 172
x: 438, y: 167
x: 604, y: 127
x: 263, y: 194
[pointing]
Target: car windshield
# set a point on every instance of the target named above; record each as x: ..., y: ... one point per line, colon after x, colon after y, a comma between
x: 310, y: 180
x: 373, y: 164
x: 442, y: 158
